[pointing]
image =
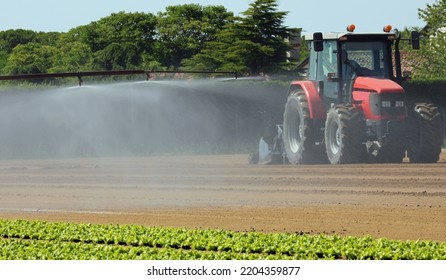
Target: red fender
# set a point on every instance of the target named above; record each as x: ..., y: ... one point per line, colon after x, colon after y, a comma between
x: 315, y: 103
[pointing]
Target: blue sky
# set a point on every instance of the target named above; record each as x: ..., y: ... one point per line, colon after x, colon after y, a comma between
x: 311, y: 15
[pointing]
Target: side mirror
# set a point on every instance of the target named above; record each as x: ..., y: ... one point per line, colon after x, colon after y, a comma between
x: 415, y: 40
x: 318, y: 42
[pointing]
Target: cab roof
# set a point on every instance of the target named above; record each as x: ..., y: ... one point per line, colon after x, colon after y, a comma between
x: 346, y: 36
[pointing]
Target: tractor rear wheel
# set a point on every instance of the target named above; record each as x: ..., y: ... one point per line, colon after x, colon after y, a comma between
x: 424, y: 134
x: 298, y: 136
x: 343, y: 135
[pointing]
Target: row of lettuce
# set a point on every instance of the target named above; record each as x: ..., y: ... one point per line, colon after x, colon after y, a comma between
x: 44, y: 240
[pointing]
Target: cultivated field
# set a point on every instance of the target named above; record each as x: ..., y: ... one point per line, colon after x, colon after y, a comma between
x: 403, y: 201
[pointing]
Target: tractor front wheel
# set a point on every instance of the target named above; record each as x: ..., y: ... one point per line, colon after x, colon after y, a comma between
x: 298, y: 136
x: 343, y: 135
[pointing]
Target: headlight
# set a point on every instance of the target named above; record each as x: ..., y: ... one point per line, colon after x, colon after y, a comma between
x: 399, y: 104
x: 386, y: 104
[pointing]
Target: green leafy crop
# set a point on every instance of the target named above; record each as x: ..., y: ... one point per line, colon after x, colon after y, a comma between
x: 62, y: 241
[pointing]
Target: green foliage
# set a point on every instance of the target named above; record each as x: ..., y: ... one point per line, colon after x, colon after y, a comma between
x: 193, y: 36
x: 434, y: 15
x: 73, y: 57
x: 118, y: 41
x: 263, y: 24
x: 30, y: 58
x: 196, y: 37
x: 3, y: 58
x: 304, y: 50
x: 118, y: 57
x: 85, y: 34
x: 9, y: 39
x: 48, y: 38
x: 118, y: 28
x: 433, y: 47
x: 43, y: 240
x: 253, y: 44
x: 184, y: 29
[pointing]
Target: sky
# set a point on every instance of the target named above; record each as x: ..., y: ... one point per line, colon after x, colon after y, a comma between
x: 310, y: 15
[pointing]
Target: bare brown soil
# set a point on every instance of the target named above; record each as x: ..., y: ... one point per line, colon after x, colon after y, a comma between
x: 397, y: 201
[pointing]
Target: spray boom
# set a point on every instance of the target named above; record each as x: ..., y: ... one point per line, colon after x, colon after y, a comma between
x: 79, y: 75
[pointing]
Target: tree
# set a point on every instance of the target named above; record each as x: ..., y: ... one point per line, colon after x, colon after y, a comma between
x: 24, y: 51
x: 30, y: 58
x: 434, y: 15
x: 73, y: 57
x: 183, y: 30
x: 433, y: 49
x: 118, y: 57
x: 118, y: 41
x: 3, y: 59
x: 251, y: 44
x: 263, y: 25
x: 9, y: 39
x: 120, y: 28
x: 85, y: 34
x: 230, y: 52
x: 48, y: 38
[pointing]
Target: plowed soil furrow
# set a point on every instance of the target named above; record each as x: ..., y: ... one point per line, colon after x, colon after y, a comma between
x: 398, y: 201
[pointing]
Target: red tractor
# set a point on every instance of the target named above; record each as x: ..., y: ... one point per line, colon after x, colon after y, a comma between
x: 352, y: 108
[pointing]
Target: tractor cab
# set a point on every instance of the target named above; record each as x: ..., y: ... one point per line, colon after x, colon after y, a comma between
x: 337, y: 59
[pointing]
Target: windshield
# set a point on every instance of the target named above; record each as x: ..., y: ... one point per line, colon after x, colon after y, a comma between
x: 364, y: 59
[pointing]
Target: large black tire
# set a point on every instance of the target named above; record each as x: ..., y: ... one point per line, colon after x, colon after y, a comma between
x: 298, y: 136
x: 343, y: 135
x: 424, y: 132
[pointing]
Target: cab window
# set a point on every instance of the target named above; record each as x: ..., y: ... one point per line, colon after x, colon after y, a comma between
x: 364, y: 59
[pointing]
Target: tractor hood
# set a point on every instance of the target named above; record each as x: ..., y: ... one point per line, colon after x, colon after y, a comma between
x: 379, y: 99
x: 376, y: 85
